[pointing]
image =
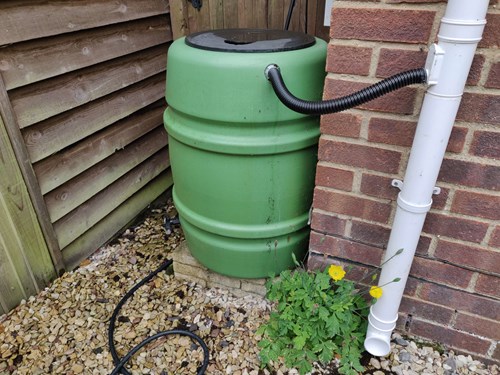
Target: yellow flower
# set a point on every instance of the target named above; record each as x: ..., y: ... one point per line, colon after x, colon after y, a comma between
x: 336, y: 272
x: 376, y: 292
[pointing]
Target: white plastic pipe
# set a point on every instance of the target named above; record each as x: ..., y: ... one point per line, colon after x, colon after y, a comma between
x: 448, y: 64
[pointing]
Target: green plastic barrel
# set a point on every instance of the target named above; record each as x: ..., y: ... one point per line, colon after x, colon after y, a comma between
x: 243, y: 164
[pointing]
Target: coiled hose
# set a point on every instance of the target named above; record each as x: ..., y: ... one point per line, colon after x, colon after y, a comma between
x: 120, y: 362
x: 395, y: 82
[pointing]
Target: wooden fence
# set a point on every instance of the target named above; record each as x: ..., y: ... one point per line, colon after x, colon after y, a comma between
x: 83, y: 149
x: 307, y: 17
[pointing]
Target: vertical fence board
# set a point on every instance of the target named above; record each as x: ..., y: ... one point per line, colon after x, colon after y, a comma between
x: 25, y: 261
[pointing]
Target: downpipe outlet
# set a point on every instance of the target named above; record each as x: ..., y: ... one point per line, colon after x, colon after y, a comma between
x: 450, y: 61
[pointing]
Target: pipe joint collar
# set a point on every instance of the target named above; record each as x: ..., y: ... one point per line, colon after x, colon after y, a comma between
x: 378, y: 336
x: 414, y: 208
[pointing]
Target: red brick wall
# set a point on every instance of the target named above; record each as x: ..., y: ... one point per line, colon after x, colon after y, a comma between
x: 453, y: 294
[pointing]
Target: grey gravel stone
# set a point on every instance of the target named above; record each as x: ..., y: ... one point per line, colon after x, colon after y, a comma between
x: 450, y: 363
x: 404, y: 356
x: 401, y: 341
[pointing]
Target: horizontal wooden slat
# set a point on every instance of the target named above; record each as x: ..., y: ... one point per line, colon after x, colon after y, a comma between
x: 54, y: 134
x: 100, y: 233
x: 89, y: 213
x: 61, y: 167
x: 48, y: 98
x: 36, y: 60
x: 79, y: 189
x: 31, y: 19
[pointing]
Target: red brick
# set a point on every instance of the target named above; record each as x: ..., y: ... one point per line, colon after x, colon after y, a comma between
x: 478, y: 326
x: 378, y: 186
x: 327, y: 223
x: 377, y: 235
x: 348, y: 60
x: 372, y: 234
x: 359, y: 156
x: 470, y: 256
x: 476, y: 204
x: 493, y: 80
x: 401, y: 133
x: 354, y: 272
x: 495, y: 238
x: 393, y: 61
x: 475, y: 70
x: 491, y: 34
x: 341, y: 125
x: 391, y: 132
x: 460, y: 300
x: 351, y: 205
x: 405, y: 26
x: 455, y: 227
x: 471, y: 174
x: 344, y: 249
x: 335, y: 178
x: 479, y: 108
x: 401, y: 101
x: 439, y: 201
x: 488, y: 285
x: 496, y: 354
x: 449, y: 336
x: 411, y: 286
x: 439, y: 272
x: 425, y: 310
x: 486, y: 144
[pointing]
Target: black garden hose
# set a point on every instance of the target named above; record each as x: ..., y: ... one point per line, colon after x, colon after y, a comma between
x: 120, y: 362
x: 383, y: 87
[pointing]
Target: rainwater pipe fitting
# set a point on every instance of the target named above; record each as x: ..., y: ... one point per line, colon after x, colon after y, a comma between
x: 448, y: 64
x: 446, y: 70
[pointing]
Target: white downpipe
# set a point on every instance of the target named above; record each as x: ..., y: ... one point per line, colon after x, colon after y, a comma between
x: 460, y: 31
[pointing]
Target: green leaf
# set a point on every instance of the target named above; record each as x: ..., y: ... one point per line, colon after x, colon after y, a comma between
x: 295, y: 260
x: 304, y: 367
x: 299, y: 342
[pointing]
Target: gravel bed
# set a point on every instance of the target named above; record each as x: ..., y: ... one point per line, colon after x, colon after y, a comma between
x: 63, y: 330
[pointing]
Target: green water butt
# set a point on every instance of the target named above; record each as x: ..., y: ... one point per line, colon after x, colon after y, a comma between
x: 243, y: 164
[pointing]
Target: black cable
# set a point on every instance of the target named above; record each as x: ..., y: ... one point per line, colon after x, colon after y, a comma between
x: 289, y: 15
x: 322, y: 107
x: 120, y: 362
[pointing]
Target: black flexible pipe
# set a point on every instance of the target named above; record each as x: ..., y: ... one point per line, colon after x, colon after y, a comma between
x: 120, y: 362
x: 383, y: 87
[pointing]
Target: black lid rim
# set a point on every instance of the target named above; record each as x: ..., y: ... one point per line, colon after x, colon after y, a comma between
x: 249, y: 40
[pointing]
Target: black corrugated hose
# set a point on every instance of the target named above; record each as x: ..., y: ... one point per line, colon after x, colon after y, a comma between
x: 120, y: 362
x: 322, y: 107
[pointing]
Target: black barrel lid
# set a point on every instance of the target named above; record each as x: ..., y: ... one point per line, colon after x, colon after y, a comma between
x: 250, y: 40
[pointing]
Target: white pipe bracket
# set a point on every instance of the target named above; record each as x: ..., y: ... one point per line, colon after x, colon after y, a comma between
x: 434, y: 63
x: 399, y: 184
